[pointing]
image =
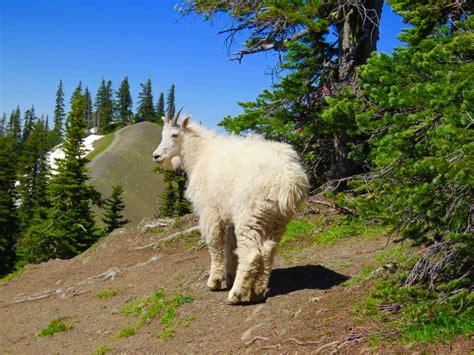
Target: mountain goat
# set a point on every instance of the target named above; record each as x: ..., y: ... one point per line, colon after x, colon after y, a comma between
x: 245, y: 191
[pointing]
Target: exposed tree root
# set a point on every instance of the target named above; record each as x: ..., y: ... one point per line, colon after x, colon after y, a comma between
x: 109, y: 274
x: 63, y: 291
x: 255, y: 338
x: 320, y: 200
x: 146, y: 224
x: 167, y: 239
x: 302, y: 343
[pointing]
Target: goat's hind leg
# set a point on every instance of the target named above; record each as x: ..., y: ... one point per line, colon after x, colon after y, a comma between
x: 213, y: 229
x: 250, y: 265
x: 269, y: 249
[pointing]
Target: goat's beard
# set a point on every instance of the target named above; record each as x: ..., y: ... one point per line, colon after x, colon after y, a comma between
x: 173, y: 164
x: 176, y: 163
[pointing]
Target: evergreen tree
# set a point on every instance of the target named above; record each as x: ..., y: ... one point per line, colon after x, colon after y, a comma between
x: 416, y: 113
x: 160, y: 107
x: 8, y: 196
x: 69, y: 227
x: 124, y: 103
x: 114, y: 206
x: 173, y: 201
x: 29, y: 122
x: 145, y: 109
x: 170, y: 105
x: 76, y: 93
x: 89, y: 115
x: 3, y: 127
x: 59, y: 116
x: 14, y: 130
x: 318, y: 68
x: 33, y: 173
x: 104, y: 106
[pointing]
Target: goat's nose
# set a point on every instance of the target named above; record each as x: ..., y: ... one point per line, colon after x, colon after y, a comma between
x: 156, y: 156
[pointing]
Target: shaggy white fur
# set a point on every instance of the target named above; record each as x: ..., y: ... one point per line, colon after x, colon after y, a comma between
x: 245, y: 190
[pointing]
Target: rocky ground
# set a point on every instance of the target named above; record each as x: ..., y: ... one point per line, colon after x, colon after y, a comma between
x: 309, y: 308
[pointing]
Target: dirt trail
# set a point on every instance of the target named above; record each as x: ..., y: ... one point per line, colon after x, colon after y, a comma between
x: 309, y: 310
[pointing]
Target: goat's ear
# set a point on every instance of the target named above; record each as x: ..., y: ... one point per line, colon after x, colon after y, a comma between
x: 165, y: 119
x: 185, y: 121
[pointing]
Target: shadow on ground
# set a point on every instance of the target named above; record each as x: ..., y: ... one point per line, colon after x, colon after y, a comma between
x: 284, y: 281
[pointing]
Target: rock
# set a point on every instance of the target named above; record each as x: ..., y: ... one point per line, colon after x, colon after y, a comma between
x: 297, y: 313
x: 254, y: 312
x: 246, y: 335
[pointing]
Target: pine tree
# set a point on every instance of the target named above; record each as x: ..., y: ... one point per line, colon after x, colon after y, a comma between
x: 59, y: 116
x: 173, y: 201
x: 160, y: 108
x: 29, y: 122
x: 88, y: 112
x: 8, y: 196
x: 69, y: 227
x: 14, y: 130
x: 34, y: 173
x: 319, y: 68
x: 124, y: 103
x: 3, y: 126
x: 104, y: 106
x: 114, y: 206
x: 170, y: 105
x: 416, y: 113
x: 145, y: 109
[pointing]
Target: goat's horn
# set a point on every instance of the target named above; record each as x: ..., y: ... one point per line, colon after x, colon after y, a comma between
x: 166, y: 117
x: 174, y: 122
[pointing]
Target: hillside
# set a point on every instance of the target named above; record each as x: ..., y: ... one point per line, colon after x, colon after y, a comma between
x: 110, y: 296
x: 128, y: 161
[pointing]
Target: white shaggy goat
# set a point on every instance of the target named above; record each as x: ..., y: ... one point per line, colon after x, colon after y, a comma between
x: 245, y: 191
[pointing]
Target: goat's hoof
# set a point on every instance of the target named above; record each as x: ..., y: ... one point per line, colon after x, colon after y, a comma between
x: 214, y: 284
x: 236, y: 297
x: 259, y: 294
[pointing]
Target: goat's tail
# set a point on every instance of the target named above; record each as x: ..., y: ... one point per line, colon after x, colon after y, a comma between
x: 292, y: 187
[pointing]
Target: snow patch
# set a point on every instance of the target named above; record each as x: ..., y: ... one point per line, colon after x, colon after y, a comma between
x: 57, y: 152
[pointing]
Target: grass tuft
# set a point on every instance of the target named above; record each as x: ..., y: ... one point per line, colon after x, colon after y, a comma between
x: 149, y: 308
x: 421, y: 316
x: 55, y: 326
x: 106, y: 294
x: 126, y: 332
x: 166, y: 333
x: 101, y: 350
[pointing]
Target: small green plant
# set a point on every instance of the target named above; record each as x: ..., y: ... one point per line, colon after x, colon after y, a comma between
x: 348, y: 228
x: 149, y: 308
x: 187, y: 321
x: 101, y: 350
x: 166, y: 333
x: 55, y: 326
x: 356, y: 280
x: 297, y: 230
x: 168, y: 316
x: 106, y: 294
x: 126, y: 332
x: 418, y: 314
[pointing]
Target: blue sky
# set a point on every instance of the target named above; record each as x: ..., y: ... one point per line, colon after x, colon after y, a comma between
x: 42, y: 41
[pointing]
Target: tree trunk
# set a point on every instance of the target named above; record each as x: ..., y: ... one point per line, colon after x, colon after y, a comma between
x: 358, y: 35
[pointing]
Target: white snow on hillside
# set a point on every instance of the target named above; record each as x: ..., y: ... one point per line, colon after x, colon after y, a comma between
x: 57, y: 152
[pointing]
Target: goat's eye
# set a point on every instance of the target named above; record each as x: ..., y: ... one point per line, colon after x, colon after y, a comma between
x: 174, y: 135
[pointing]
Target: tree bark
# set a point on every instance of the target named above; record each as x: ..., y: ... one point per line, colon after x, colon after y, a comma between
x: 358, y: 35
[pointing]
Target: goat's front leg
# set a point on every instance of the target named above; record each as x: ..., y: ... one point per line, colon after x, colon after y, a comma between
x: 213, y: 229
